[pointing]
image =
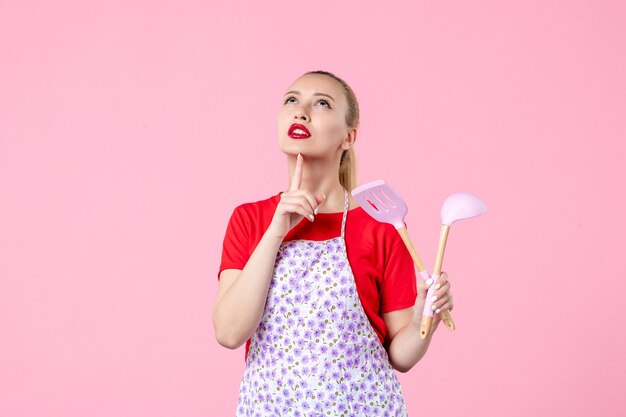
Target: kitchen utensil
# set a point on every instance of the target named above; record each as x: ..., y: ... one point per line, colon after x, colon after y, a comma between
x: 381, y: 202
x: 457, y: 206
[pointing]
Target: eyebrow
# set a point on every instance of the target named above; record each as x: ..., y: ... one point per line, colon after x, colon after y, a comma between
x: 316, y: 94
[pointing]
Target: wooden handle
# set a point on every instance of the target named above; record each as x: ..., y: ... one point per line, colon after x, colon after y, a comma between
x: 446, y: 317
x: 404, y: 234
x: 427, y: 322
x: 443, y: 238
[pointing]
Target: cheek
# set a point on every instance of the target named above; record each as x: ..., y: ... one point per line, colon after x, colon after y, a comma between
x: 338, y: 129
x: 332, y: 124
x: 282, y: 122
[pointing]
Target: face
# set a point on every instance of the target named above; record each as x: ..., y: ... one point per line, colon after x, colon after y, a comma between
x: 316, y: 102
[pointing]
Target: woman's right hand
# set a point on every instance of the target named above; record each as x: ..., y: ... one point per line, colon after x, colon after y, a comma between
x: 294, y: 205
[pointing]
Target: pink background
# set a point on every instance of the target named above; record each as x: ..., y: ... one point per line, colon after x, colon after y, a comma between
x: 129, y: 131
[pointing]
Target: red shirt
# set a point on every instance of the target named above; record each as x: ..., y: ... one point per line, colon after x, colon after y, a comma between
x: 382, y: 265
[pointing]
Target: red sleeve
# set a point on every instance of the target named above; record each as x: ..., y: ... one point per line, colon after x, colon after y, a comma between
x: 235, y: 250
x: 399, y: 280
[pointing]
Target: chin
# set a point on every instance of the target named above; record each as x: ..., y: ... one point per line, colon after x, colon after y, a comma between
x: 290, y: 147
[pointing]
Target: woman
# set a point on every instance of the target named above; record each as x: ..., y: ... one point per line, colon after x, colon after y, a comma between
x: 330, y: 306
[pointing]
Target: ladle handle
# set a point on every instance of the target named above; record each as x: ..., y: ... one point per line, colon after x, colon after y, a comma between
x: 427, y: 316
x: 446, y: 317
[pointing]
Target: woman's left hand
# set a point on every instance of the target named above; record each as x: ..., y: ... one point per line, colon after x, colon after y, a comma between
x: 444, y: 300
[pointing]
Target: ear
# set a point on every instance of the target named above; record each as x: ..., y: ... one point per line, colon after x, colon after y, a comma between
x: 348, y: 142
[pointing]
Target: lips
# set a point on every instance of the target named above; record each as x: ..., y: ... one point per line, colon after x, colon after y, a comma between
x: 298, y: 131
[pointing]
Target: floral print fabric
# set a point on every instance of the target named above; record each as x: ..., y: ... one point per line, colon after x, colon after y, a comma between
x: 314, y: 352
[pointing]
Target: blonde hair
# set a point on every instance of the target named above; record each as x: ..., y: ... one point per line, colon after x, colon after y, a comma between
x: 347, y: 166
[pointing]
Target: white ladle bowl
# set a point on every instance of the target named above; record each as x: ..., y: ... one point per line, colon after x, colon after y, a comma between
x: 460, y: 206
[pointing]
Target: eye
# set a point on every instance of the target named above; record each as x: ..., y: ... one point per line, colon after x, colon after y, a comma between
x: 324, y: 101
x: 287, y: 100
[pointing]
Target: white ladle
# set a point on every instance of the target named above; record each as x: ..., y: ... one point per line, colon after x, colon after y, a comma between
x: 457, y: 206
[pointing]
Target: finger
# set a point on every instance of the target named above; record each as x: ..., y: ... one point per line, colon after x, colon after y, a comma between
x: 440, y: 302
x: 422, y: 287
x: 310, y: 199
x: 443, y: 278
x: 314, y: 201
x: 296, y: 208
x: 446, y: 303
x: 447, y: 306
x: 427, y: 282
x: 442, y: 290
x: 300, y: 201
x: 297, y: 174
x: 320, y: 199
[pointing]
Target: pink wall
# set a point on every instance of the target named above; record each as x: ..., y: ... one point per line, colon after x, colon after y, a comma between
x: 130, y: 130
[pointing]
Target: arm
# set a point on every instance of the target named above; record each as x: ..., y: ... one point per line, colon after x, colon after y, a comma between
x: 241, y: 294
x: 407, y: 347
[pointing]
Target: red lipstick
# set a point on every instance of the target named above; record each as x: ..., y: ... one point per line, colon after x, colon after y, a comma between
x: 298, y: 131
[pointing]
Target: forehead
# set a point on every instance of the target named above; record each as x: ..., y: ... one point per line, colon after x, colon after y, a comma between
x: 317, y: 83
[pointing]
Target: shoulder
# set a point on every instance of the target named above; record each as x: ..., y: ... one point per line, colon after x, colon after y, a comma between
x: 258, y: 206
x: 249, y: 219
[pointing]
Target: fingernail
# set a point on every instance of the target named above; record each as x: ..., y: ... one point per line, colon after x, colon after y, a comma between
x: 434, y: 298
x: 438, y: 310
x: 429, y: 281
x: 433, y: 307
x: 437, y: 286
x: 311, y: 217
x: 315, y: 211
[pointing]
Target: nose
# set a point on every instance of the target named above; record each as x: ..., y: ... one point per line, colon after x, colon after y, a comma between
x: 301, y: 114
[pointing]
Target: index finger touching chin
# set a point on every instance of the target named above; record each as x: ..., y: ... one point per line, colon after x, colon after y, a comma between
x: 296, y: 179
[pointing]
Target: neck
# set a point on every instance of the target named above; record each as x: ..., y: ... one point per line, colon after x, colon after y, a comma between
x: 321, y: 177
